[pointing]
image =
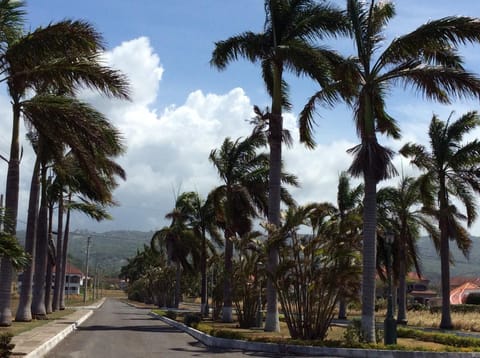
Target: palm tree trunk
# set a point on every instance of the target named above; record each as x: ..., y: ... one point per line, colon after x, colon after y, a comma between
x: 369, y: 255
x: 48, y: 285
x: 204, y: 299
x: 64, y: 255
x: 38, y: 303
x: 24, y: 313
x: 446, y: 320
x: 227, y: 283
x: 59, y: 261
x: 272, y: 322
x: 11, y: 212
x: 178, y: 284
x: 342, y: 308
x: 402, y: 285
x: 50, y: 262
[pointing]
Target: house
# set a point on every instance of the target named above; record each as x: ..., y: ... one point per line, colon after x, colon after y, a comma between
x: 417, y: 288
x: 73, y: 279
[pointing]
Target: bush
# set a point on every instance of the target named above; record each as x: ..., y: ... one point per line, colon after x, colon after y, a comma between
x: 171, y: 315
x: 223, y: 333
x: 354, y: 335
x: 441, y: 338
x: 467, y: 308
x: 6, y: 346
x: 192, y: 320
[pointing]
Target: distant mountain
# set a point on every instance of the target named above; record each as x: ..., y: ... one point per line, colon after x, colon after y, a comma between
x: 110, y: 250
x: 430, y: 260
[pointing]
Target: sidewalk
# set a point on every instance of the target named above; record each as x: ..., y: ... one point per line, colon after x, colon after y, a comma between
x: 40, y: 340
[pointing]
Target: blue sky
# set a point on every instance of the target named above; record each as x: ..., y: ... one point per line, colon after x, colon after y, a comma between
x: 182, y: 107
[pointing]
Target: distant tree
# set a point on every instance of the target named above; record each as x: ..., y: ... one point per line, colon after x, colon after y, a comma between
x: 451, y: 171
x: 401, y: 207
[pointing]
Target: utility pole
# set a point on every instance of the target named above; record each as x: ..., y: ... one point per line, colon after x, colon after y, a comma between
x: 86, y: 271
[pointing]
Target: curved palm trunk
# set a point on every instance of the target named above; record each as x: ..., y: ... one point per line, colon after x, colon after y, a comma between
x: 272, y: 322
x: 369, y: 256
x: 38, y: 303
x: 64, y: 256
x: 227, y: 283
x: 59, y: 258
x: 24, y: 313
x: 11, y: 212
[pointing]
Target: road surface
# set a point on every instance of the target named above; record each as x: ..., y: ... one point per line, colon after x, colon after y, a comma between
x: 119, y: 330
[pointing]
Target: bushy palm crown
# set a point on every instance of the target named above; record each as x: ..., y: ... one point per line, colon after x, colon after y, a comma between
x: 286, y: 41
x: 425, y: 59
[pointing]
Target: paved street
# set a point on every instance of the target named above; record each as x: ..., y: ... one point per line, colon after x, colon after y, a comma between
x: 118, y: 330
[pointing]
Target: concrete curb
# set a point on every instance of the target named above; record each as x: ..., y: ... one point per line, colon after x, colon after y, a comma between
x: 48, y: 345
x: 52, y: 333
x: 215, y: 342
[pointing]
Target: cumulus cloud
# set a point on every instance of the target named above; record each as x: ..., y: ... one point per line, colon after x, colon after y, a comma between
x: 168, y: 147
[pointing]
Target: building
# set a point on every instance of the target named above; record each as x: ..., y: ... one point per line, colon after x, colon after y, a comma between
x: 73, y: 279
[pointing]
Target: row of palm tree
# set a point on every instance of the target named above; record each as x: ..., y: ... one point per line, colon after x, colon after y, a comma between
x: 402, y: 210
x: 427, y: 59
x: 75, y: 145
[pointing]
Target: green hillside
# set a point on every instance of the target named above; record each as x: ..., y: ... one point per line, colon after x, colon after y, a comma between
x: 110, y: 250
x: 430, y: 260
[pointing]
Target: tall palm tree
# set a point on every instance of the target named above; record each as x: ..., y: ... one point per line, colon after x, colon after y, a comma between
x: 286, y: 44
x: 182, y: 250
x: 202, y: 220
x: 61, y: 55
x: 401, y: 206
x: 451, y: 171
x: 64, y: 123
x: 243, y: 192
x: 427, y: 60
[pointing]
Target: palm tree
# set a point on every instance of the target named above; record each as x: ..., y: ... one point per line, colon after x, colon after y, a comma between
x: 182, y: 250
x: 450, y: 171
x: 60, y: 56
x: 286, y: 44
x: 201, y: 219
x: 401, y: 207
x: 425, y: 59
x: 349, y: 226
x: 243, y: 192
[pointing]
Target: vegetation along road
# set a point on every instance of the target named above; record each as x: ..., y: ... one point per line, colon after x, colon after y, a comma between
x: 118, y: 330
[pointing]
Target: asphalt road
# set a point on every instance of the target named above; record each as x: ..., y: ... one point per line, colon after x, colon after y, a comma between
x: 118, y: 330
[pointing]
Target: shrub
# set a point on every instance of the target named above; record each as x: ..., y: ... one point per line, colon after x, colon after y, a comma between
x: 171, y: 315
x: 441, y: 338
x: 467, y: 308
x: 223, y: 333
x: 192, y: 320
x: 6, y: 346
x: 354, y: 335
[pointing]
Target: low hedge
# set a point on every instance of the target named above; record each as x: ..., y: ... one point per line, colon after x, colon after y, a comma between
x: 441, y: 338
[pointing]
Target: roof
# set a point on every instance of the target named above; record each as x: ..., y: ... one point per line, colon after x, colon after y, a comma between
x: 459, y: 294
x: 71, y: 270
